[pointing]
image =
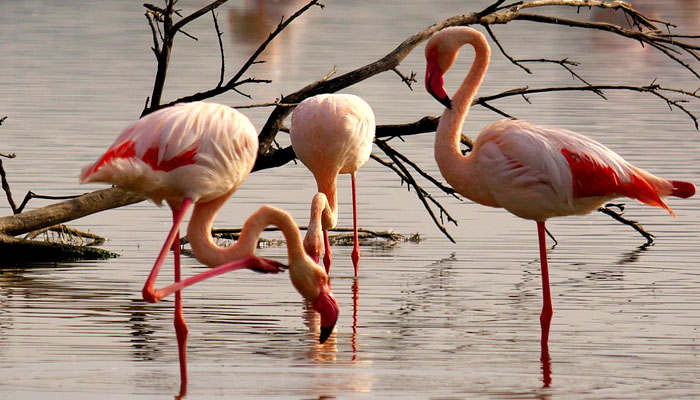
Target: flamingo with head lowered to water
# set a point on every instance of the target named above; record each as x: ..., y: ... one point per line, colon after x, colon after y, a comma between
x: 331, y: 134
x: 199, y: 153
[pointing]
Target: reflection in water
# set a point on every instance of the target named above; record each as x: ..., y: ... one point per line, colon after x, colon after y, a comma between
x: 654, y: 9
x: 142, y: 332
x: 544, y: 356
x: 252, y: 23
x: 355, y: 301
x: 322, y: 352
x: 465, y: 325
x: 633, y: 255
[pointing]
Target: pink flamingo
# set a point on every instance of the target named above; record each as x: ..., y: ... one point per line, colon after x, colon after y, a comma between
x: 199, y: 153
x: 534, y: 172
x: 331, y: 134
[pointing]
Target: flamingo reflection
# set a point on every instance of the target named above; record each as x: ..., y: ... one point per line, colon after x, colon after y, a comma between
x: 253, y: 21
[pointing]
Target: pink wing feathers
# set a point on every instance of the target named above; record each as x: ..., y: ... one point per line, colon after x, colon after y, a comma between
x: 198, y: 150
x: 526, y: 164
x: 333, y: 131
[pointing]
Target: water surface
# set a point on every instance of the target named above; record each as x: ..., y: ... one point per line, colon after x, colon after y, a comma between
x: 429, y: 320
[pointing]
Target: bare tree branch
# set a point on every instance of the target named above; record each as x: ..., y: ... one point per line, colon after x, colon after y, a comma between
x: 186, y: 20
x: 423, y: 195
x: 408, y: 80
x: 221, y: 47
x: 69, y: 210
x: 236, y: 80
x: 6, y: 188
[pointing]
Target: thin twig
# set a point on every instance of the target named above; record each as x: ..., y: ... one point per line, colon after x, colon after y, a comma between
x: 6, y: 188
x: 221, y: 47
x: 186, y: 20
x: 423, y: 195
x: 438, y: 184
x: 31, y: 195
x: 236, y: 80
x: 260, y: 105
x: 408, y: 80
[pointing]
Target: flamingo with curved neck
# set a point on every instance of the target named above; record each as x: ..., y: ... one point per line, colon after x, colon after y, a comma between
x: 332, y: 134
x: 199, y: 153
x: 534, y: 172
x: 309, y: 279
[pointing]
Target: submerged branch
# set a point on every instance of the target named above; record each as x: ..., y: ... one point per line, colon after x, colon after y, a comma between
x: 617, y: 216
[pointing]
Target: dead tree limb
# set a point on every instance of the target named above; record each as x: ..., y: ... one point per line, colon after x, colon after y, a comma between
x: 6, y: 188
x: 236, y: 80
x: 65, y: 211
x: 20, y: 251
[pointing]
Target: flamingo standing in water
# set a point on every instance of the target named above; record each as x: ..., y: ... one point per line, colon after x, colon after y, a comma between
x: 199, y: 153
x: 534, y: 172
x: 331, y: 134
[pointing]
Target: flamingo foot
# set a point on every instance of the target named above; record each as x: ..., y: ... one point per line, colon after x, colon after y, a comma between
x: 355, y: 258
x: 266, y: 266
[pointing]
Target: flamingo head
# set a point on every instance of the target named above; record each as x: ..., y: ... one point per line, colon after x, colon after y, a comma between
x: 326, y: 305
x: 312, y: 282
x: 440, y: 53
x: 435, y: 82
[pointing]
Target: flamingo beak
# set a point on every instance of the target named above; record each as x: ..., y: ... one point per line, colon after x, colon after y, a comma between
x: 327, y: 306
x: 435, y: 84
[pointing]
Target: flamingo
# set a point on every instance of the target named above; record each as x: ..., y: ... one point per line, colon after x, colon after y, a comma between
x: 199, y: 153
x: 331, y: 134
x: 533, y: 172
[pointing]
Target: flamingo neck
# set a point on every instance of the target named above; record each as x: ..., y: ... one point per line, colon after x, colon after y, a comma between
x: 211, y: 254
x: 328, y: 188
x: 456, y: 168
x: 321, y: 216
x: 266, y: 216
x: 201, y: 240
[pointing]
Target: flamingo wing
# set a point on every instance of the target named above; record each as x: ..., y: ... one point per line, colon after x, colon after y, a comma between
x: 197, y: 150
x: 537, y: 172
x: 333, y: 133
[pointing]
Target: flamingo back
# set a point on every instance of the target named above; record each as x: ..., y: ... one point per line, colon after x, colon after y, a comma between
x: 197, y: 150
x: 537, y: 172
x: 333, y: 133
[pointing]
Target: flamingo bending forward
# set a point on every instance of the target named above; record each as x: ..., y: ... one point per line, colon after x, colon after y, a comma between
x: 331, y: 134
x: 199, y: 153
x: 534, y: 172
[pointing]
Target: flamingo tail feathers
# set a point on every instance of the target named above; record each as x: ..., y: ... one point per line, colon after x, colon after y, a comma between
x: 682, y: 189
x: 649, y: 189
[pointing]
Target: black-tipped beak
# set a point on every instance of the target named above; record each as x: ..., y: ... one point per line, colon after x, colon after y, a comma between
x: 327, y: 306
x: 435, y: 84
x: 445, y: 101
x: 325, y: 333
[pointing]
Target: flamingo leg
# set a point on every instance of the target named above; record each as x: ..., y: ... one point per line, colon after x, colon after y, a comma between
x: 356, y: 247
x: 152, y: 295
x: 181, y: 329
x: 327, y: 258
x: 149, y: 293
x: 547, y: 311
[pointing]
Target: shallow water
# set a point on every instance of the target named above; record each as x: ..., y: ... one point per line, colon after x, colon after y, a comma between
x: 428, y: 320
